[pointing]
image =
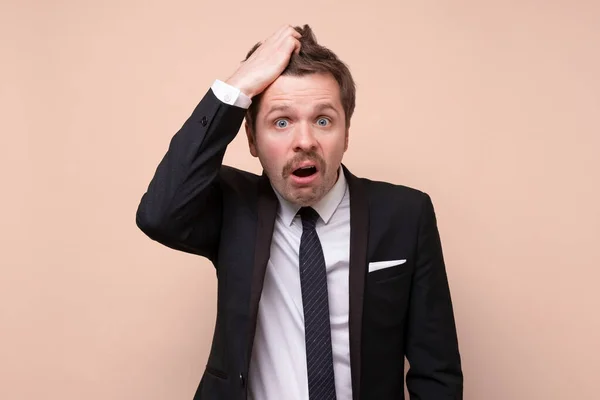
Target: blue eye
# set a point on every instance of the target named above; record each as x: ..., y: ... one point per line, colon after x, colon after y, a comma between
x: 323, y: 122
x: 281, y: 123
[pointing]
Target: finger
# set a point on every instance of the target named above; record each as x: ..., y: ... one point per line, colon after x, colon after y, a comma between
x: 276, y: 35
x: 283, y: 31
x: 297, y: 47
x: 295, y: 33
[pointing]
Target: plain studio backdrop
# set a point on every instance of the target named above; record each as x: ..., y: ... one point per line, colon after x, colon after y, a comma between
x: 492, y: 107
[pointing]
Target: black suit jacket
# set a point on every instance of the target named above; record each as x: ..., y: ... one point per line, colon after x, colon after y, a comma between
x: 197, y: 205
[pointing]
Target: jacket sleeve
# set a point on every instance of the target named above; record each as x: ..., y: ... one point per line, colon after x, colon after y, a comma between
x: 435, y: 371
x: 182, y: 206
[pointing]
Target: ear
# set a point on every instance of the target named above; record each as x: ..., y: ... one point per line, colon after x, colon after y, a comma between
x: 347, y: 139
x: 251, y: 140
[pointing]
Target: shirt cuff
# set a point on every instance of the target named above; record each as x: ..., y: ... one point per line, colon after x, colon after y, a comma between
x: 230, y: 95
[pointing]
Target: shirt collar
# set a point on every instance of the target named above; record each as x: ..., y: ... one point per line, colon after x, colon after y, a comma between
x: 325, y: 207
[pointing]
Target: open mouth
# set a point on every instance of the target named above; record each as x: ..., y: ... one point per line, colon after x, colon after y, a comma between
x: 304, y: 172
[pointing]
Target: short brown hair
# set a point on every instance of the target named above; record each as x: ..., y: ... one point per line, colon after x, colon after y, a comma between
x: 313, y: 58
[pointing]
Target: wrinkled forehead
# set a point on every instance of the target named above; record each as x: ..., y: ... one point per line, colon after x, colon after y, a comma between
x: 302, y: 94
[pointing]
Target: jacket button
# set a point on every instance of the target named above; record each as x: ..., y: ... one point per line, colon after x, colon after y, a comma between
x: 242, y: 380
x: 204, y: 121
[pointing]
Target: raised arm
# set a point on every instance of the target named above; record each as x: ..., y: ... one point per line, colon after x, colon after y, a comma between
x: 182, y: 206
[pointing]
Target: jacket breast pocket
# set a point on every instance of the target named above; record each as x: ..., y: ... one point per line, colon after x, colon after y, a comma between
x: 387, y: 292
x: 383, y: 270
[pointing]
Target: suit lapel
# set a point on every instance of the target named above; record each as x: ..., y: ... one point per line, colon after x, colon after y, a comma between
x: 359, y: 235
x: 266, y: 212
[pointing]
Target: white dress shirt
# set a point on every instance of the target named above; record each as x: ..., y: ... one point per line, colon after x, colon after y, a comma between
x: 278, y: 365
x: 230, y: 95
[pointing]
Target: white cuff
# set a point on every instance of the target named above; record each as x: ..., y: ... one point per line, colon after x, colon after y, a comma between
x: 230, y: 95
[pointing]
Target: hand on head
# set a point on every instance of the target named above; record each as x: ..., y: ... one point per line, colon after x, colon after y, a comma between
x: 266, y: 63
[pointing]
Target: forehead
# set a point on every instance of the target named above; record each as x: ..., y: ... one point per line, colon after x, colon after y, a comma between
x: 302, y: 92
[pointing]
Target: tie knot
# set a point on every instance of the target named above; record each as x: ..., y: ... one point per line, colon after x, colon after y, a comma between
x: 309, y: 217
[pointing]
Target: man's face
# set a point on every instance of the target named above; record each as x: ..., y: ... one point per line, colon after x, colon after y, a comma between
x: 300, y: 136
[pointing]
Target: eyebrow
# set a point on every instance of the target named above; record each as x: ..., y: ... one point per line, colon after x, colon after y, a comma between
x: 281, y: 107
x: 286, y: 108
x: 325, y: 106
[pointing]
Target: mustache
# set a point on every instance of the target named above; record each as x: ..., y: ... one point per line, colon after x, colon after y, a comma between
x: 292, y: 164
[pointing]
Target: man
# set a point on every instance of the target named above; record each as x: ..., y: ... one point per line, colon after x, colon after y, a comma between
x: 326, y: 281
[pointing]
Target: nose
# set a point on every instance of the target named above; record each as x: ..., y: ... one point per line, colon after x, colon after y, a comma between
x: 304, y: 138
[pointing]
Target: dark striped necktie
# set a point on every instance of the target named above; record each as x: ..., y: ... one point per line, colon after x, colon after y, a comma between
x: 313, y: 279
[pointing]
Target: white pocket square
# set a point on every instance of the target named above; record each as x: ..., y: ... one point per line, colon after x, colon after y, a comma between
x: 375, y: 266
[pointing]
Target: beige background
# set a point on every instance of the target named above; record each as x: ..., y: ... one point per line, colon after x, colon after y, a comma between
x: 493, y: 107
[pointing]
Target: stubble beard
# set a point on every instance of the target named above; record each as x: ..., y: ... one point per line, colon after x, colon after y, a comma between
x: 306, y: 197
